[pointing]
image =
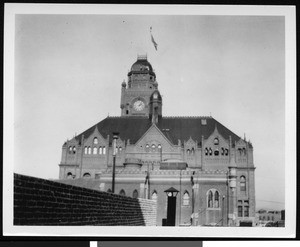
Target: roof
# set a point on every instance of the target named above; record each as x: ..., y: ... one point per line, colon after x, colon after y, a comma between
x: 174, y: 128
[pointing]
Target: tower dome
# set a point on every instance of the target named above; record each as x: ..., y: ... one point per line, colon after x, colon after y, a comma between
x: 141, y: 66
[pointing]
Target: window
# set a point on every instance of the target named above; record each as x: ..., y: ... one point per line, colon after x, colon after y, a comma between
x: 69, y: 175
x: 86, y: 175
x: 122, y: 193
x: 216, y: 152
x: 242, y: 183
x: 89, y: 150
x: 216, y: 141
x: 120, y: 149
x: 210, y: 199
x: 240, y: 211
x: 222, y: 151
x: 95, y: 141
x: 210, y: 151
x: 147, y: 147
x: 85, y: 150
x: 188, y: 152
x: 186, y: 199
x: 159, y: 146
x: 70, y: 150
x: 100, y: 150
x: 226, y: 151
x: 103, y: 150
x: 74, y: 150
x: 246, y: 211
x: 206, y: 151
x: 154, y: 195
x: 153, y: 148
x: 192, y: 151
x: 135, y: 194
x: 95, y: 150
x: 216, y: 202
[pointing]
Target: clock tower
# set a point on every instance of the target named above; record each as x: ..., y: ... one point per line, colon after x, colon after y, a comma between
x: 136, y: 93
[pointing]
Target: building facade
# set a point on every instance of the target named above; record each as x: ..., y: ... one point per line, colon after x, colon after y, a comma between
x: 211, y: 167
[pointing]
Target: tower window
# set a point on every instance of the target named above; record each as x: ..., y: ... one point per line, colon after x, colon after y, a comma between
x: 242, y: 183
x: 213, y: 198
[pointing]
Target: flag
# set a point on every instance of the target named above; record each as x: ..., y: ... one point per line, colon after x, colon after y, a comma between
x: 152, y: 39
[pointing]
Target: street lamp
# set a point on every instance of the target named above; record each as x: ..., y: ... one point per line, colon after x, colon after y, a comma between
x: 171, y: 211
x: 114, y: 146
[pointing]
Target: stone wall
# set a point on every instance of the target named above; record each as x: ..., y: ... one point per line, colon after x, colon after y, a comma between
x: 43, y: 202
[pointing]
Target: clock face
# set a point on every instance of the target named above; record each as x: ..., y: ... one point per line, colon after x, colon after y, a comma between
x: 139, y: 105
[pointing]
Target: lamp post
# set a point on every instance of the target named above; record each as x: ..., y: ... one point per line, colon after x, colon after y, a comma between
x: 114, y: 145
x: 171, y: 210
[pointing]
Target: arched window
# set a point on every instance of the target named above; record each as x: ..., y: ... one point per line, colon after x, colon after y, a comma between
x: 95, y: 141
x: 89, y: 150
x: 153, y: 148
x: 135, y: 194
x: 210, y: 199
x: 103, y: 150
x: 213, y: 198
x: 192, y: 151
x: 109, y: 191
x: 69, y: 175
x: 226, y: 151
x: 186, y: 199
x: 85, y: 150
x: 216, y: 152
x: 188, y: 152
x: 154, y: 195
x: 210, y: 151
x: 100, y: 150
x: 244, y: 151
x: 120, y: 149
x: 242, y: 183
x: 74, y: 150
x: 206, y: 151
x: 216, y: 141
x: 86, y: 175
x: 122, y: 193
x: 216, y: 201
x: 70, y: 150
x: 147, y: 147
x: 94, y: 150
x: 222, y: 151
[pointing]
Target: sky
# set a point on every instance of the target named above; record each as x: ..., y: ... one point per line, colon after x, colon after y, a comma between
x: 69, y: 70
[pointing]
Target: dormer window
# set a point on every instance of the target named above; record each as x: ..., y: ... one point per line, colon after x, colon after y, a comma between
x: 216, y: 141
x: 95, y: 140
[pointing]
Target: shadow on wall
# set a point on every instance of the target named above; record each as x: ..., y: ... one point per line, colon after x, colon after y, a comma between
x: 43, y: 202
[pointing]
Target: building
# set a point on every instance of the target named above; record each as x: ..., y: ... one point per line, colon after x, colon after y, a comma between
x: 211, y: 167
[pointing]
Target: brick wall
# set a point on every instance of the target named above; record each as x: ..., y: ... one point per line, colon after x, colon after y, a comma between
x: 43, y: 202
